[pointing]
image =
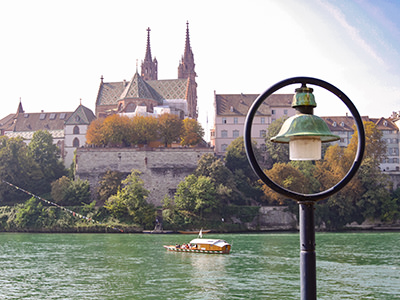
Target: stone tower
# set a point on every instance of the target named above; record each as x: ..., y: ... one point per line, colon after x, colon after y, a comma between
x: 186, y: 70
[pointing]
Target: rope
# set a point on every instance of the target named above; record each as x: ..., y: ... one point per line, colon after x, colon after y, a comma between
x: 75, y: 214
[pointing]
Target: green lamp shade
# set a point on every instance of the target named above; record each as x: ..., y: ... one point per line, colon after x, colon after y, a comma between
x: 304, y: 133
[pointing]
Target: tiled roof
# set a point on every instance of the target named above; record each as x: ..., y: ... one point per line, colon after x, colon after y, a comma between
x: 40, y: 121
x: 138, y: 88
x: 110, y: 92
x: 346, y: 123
x: 239, y: 104
x: 340, y: 123
x: 81, y: 116
x: 6, y: 122
x: 158, y: 90
x: 170, y: 89
x: 28, y: 135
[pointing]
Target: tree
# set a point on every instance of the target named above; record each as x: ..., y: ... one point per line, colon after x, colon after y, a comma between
x: 109, y: 185
x: 366, y: 194
x: 288, y: 177
x: 236, y: 158
x: 65, y: 191
x: 18, y: 168
x: 245, y: 178
x: 94, y: 134
x: 223, y: 179
x: 30, y: 215
x: 145, y: 129
x: 375, y: 147
x: 196, y: 194
x: 170, y: 128
x: 130, y: 202
x: 277, y: 152
x: 192, y: 132
x: 47, y: 155
x: 116, y: 131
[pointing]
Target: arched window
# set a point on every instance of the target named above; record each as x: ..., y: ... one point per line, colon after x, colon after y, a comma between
x: 76, y: 130
x: 75, y: 143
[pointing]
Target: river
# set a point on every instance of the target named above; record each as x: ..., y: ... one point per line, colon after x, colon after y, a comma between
x: 136, y: 266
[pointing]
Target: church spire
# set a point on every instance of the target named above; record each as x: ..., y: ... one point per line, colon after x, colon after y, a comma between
x: 186, y: 71
x: 20, y: 110
x: 149, y: 66
x: 186, y: 66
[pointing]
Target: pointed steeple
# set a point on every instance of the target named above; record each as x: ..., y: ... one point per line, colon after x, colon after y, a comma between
x: 149, y: 66
x: 20, y: 110
x: 186, y: 71
x: 186, y: 66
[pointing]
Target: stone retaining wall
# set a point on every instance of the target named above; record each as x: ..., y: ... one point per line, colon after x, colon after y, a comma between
x: 162, y: 168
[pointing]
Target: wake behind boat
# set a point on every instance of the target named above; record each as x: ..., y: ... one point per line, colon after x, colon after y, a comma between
x: 201, y: 245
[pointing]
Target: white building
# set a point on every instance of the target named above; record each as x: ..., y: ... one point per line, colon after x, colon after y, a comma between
x: 231, y: 111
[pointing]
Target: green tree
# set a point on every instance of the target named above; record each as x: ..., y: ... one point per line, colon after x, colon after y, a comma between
x: 193, y: 132
x: 29, y: 216
x: 47, y: 155
x: 245, y: 178
x: 196, y: 194
x: 170, y: 128
x: 109, y: 185
x: 130, y: 202
x: 18, y: 168
x: 277, y: 152
x: 65, y: 191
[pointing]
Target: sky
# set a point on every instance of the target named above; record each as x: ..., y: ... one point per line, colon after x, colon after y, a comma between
x: 53, y: 53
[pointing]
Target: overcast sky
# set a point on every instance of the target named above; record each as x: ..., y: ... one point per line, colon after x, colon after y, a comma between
x: 53, y: 53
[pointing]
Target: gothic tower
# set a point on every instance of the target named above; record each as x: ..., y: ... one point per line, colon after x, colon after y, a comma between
x: 186, y: 70
x: 149, y: 66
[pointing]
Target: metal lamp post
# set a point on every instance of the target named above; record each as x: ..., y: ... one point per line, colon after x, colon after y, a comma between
x: 305, y: 132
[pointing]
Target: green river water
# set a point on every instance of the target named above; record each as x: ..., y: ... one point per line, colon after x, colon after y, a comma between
x: 136, y: 266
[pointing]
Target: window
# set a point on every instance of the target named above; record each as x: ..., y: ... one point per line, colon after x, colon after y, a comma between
x: 224, y: 133
x: 235, y: 120
x: 263, y: 133
x: 262, y: 120
x: 235, y: 134
x: 42, y: 116
x: 62, y: 116
x: 223, y: 120
x: 76, y: 130
x: 52, y: 116
x: 273, y: 112
x: 285, y: 112
x: 75, y: 143
x: 263, y: 147
x: 223, y: 147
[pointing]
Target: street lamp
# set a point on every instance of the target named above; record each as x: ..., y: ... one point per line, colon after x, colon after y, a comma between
x: 305, y: 132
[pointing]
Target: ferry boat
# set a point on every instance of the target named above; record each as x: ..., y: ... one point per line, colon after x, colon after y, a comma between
x: 201, y: 245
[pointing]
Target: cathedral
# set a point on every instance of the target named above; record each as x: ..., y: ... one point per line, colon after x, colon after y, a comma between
x: 147, y: 95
